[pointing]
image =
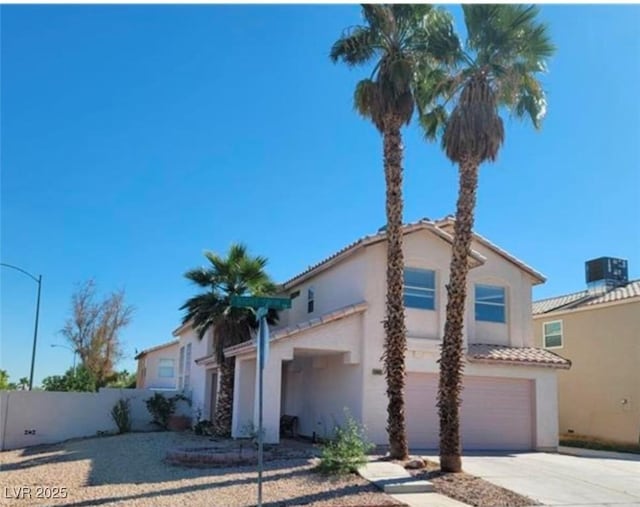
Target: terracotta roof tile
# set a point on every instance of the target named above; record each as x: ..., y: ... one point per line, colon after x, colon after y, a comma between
x: 584, y: 298
x: 374, y: 238
x: 449, y: 223
x: 631, y: 290
x: 153, y: 349
x: 522, y: 355
x: 550, y: 304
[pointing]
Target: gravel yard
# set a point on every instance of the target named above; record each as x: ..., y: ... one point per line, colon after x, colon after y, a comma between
x: 471, y: 490
x: 129, y: 470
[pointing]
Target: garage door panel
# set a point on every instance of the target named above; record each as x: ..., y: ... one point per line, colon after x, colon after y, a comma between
x: 496, y: 413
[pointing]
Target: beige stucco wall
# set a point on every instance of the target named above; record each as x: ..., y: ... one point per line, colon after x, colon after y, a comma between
x: 42, y: 417
x: 148, y: 364
x: 603, y: 344
x: 426, y: 251
x: 198, y: 392
x: 335, y: 382
x: 342, y: 285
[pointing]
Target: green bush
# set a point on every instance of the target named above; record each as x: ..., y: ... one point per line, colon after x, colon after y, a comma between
x: 347, y: 450
x: 121, y: 414
x: 79, y: 379
x: 162, y: 408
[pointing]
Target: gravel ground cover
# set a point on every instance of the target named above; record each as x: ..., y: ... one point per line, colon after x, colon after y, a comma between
x: 130, y: 470
x: 470, y: 489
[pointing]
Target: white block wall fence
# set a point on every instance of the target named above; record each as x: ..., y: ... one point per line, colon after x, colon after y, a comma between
x: 44, y: 417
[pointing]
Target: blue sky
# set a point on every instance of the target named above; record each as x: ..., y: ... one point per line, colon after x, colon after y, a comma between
x: 135, y: 137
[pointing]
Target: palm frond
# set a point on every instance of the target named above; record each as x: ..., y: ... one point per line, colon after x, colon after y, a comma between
x: 474, y: 129
x: 433, y: 122
x: 199, y: 276
x: 237, y: 273
x: 356, y: 47
x: 402, y: 38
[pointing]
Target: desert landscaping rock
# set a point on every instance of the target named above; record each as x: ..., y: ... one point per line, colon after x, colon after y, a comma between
x: 415, y: 464
x: 131, y: 470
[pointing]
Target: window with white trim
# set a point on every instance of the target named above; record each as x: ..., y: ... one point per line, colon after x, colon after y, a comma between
x: 491, y: 303
x: 419, y: 288
x: 187, y: 367
x: 166, y: 368
x: 552, y: 334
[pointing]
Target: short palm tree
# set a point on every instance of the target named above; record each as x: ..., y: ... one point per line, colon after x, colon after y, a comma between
x: 506, y: 49
x: 237, y: 274
x: 396, y: 39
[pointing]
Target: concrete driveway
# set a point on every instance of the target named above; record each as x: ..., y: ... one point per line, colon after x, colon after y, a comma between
x: 556, y: 479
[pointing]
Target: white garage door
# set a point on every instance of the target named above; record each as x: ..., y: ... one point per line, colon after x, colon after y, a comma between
x: 497, y: 413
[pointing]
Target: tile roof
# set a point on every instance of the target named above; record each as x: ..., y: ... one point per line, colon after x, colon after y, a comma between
x: 449, y: 222
x: 550, y: 304
x: 285, y: 332
x: 423, y: 223
x: 531, y: 356
x: 631, y: 290
x: 153, y: 349
x: 584, y: 299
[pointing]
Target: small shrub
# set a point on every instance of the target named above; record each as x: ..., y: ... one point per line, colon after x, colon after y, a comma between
x: 121, y: 414
x: 162, y: 408
x: 203, y: 427
x: 347, y: 450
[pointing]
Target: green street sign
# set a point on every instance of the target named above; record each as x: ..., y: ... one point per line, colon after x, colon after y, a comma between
x: 261, y: 302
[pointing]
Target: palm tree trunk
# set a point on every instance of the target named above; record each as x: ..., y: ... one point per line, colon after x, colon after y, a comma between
x: 451, y: 365
x: 395, y: 344
x: 224, y: 401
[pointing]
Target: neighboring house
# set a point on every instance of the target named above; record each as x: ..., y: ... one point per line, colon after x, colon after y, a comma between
x: 325, y: 353
x: 157, y: 367
x: 598, y: 329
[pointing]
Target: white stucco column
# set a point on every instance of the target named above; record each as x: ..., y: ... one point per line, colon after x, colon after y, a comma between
x: 547, y: 412
x: 271, y: 399
x: 243, y: 387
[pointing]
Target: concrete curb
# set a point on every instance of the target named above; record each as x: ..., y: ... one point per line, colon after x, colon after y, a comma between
x: 394, y: 480
x: 592, y: 453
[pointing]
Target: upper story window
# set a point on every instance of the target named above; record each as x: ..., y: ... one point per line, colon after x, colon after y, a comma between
x: 420, y: 288
x: 310, y: 299
x: 490, y: 303
x: 166, y: 368
x: 552, y: 334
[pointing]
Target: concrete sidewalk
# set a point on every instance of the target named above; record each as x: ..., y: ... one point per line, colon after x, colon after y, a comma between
x: 399, y: 484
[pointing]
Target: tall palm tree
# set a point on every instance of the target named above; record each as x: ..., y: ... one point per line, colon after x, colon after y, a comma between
x: 237, y: 274
x: 396, y: 39
x: 506, y: 49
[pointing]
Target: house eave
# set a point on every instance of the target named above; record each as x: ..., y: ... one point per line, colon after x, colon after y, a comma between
x: 564, y: 310
x: 209, y: 360
x: 180, y: 329
x: 537, y: 277
x: 506, y: 362
x: 476, y: 258
x: 143, y: 353
x: 340, y: 313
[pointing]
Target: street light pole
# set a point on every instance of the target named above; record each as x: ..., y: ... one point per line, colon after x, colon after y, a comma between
x: 35, y: 330
x: 35, y: 334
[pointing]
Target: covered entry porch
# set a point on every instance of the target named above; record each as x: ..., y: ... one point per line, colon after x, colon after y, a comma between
x: 313, y: 371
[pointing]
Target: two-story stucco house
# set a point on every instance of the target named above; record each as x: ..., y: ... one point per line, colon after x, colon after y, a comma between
x: 326, y: 352
x: 598, y: 329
